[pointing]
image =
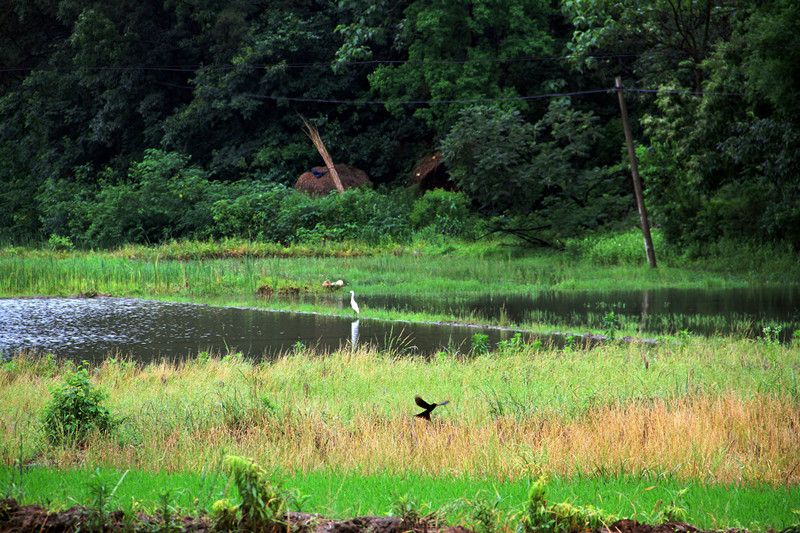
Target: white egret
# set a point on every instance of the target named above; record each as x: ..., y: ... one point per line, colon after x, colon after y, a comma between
x: 353, y: 303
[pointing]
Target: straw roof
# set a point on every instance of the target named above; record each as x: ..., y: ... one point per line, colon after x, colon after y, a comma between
x: 350, y: 176
x: 430, y: 173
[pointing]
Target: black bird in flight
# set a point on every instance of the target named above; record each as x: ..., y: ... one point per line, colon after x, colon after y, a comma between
x: 426, y: 414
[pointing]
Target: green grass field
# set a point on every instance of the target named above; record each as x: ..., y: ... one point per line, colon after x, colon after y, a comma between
x: 717, y: 416
x: 621, y: 427
x: 343, y: 496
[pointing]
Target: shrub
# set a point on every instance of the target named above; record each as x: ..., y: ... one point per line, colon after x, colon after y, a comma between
x: 358, y: 214
x: 539, y: 515
x: 76, y: 407
x: 615, y: 249
x: 252, y: 210
x: 60, y: 244
x: 448, y: 213
x: 263, y: 505
x: 64, y: 204
x: 163, y: 198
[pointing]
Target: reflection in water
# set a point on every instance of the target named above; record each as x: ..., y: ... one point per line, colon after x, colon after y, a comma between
x: 91, y: 329
x: 654, y: 312
x: 354, y: 334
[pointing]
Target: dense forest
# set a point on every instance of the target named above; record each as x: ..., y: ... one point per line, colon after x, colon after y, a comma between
x: 140, y: 121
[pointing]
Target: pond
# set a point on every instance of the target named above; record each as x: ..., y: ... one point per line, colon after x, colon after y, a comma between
x: 92, y: 328
x: 655, y: 312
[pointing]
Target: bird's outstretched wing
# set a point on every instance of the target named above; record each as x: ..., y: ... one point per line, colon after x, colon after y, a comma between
x: 429, y: 407
x: 422, y: 403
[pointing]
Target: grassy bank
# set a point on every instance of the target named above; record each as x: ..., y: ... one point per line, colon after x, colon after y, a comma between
x: 621, y: 427
x: 711, y: 415
x: 457, y: 500
x: 239, y: 268
x: 261, y: 275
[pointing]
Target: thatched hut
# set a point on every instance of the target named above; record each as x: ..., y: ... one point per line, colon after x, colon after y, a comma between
x: 430, y: 173
x: 350, y: 176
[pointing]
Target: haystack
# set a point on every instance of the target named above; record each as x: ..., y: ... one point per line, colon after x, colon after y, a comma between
x: 350, y: 176
x: 313, y: 134
x: 430, y: 173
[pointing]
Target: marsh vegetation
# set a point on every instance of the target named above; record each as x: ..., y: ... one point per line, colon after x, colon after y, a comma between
x: 699, y: 428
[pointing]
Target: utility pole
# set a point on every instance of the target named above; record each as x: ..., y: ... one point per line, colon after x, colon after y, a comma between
x: 637, y: 184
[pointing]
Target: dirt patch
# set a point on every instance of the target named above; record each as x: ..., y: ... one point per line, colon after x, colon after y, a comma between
x: 15, y: 518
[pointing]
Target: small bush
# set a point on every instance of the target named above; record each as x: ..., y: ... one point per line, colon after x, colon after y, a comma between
x: 76, y: 407
x: 448, y: 213
x: 615, y: 249
x: 541, y: 516
x: 252, y: 210
x: 480, y: 344
x: 263, y: 505
x: 60, y: 244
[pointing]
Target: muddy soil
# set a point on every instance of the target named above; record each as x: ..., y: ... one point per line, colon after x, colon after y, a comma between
x: 15, y: 518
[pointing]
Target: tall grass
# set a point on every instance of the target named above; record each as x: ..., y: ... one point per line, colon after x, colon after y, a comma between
x: 164, y: 272
x: 719, y: 412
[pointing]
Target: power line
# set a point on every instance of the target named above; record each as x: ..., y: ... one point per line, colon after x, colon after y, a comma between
x: 454, y: 101
x: 416, y: 102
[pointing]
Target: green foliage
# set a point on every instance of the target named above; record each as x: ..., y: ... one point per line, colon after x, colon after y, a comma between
x: 771, y: 335
x: 165, y: 198
x: 480, y: 344
x: 486, y: 514
x: 718, y: 156
x: 100, y: 495
x: 408, y: 509
x: 445, y: 212
x: 75, y: 409
x: 673, y: 39
x: 253, y: 210
x: 60, y: 244
x: 534, y: 515
x: 223, y: 512
x: 539, y: 515
x: 278, y: 214
x: 263, y: 506
x: 616, y: 248
x: 451, y: 47
x: 96, y: 141
x: 674, y: 510
x: 772, y: 65
x: 611, y: 324
x: 541, y: 181
x: 488, y: 155
x: 516, y: 343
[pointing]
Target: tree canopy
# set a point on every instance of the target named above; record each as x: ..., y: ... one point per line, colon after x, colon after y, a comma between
x: 103, y: 101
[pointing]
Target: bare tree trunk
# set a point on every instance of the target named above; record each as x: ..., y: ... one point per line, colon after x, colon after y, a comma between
x: 637, y: 184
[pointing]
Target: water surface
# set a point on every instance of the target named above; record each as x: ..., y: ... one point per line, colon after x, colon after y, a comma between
x: 92, y: 328
x: 655, y: 312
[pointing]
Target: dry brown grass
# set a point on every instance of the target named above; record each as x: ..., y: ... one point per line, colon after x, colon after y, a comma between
x: 511, y: 415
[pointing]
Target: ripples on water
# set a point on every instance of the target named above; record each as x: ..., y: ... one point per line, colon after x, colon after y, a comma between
x: 93, y: 328
x: 90, y: 329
